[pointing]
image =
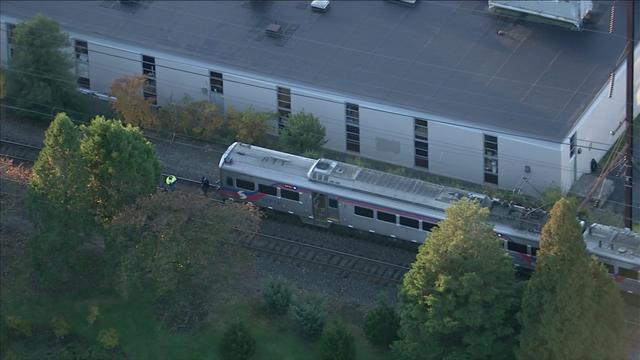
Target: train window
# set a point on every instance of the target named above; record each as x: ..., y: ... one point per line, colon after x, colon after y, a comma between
x: 363, y: 211
x: 386, y: 217
x: 266, y: 189
x: 628, y: 273
x: 291, y: 195
x: 409, y: 222
x: 609, y: 268
x: 534, y: 251
x: 229, y: 181
x: 427, y: 226
x: 516, y: 247
x: 333, y: 203
x: 244, y: 184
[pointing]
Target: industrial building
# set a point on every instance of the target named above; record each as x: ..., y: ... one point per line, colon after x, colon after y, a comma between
x: 453, y: 88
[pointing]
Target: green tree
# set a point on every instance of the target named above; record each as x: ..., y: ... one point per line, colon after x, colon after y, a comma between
x: 59, y: 201
x: 571, y: 309
x: 249, y: 126
x: 39, y: 77
x: 168, y: 238
x: 338, y: 344
x: 237, y: 343
x: 199, y: 118
x: 381, y: 325
x: 460, y: 294
x: 309, y: 318
x: 277, y: 297
x: 122, y: 165
x: 303, y: 133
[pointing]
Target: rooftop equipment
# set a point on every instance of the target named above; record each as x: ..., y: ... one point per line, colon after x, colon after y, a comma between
x: 274, y: 30
x: 571, y: 12
x: 320, y: 5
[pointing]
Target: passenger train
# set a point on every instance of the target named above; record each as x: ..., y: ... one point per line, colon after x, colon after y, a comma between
x: 324, y: 192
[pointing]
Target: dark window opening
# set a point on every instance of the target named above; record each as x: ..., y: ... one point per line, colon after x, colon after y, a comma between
x: 244, y: 184
x: 363, y: 211
x: 229, y: 181
x: 149, y: 66
x: 290, y: 195
x: 516, y: 247
x: 84, y: 82
x: 422, y: 162
x: 409, y: 222
x: 491, y: 178
x: 386, y: 217
x: 81, y: 47
x: 352, y: 146
x: 427, y: 226
x: 333, y: 203
x: 628, y: 273
x: 609, y: 268
x: 215, y: 82
x: 269, y: 190
x: 490, y: 145
x: 573, y: 142
x: 534, y: 251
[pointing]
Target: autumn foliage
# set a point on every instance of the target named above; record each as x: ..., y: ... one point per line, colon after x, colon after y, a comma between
x: 130, y: 104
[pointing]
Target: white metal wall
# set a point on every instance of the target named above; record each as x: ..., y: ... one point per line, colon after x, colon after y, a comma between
x: 543, y: 159
x: 107, y: 64
x: 386, y: 136
x: 331, y: 114
x: 4, y: 45
x: 603, y: 116
x: 176, y: 80
x: 457, y: 152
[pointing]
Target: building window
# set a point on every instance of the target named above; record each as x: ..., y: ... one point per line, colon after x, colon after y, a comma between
x: 284, y: 107
x: 491, y: 159
x: 149, y: 70
x: 10, y: 33
x: 291, y: 195
x: 81, y: 50
x: 353, y: 127
x: 215, y: 82
x: 361, y: 211
x: 421, y: 142
x: 572, y: 145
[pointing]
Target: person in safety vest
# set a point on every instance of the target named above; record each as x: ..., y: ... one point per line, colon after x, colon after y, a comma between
x: 171, y: 182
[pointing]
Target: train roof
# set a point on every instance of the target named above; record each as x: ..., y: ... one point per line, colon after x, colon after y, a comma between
x: 610, y: 242
x: 376, y: 187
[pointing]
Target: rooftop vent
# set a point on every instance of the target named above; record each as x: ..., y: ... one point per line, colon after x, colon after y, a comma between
x: 404, y: 2
x: 566, y: 12
x: 320, y: 5
x: 274, y: 30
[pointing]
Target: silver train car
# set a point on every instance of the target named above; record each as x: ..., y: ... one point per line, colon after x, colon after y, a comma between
x: 324, y: 192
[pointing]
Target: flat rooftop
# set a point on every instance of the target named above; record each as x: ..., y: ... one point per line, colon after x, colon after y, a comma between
x: 444, y: 59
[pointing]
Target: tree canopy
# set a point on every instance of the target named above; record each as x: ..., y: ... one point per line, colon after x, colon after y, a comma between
x: 130, y: 104
x: 303, y: 133
x: 571, y: 309
x: 459, y: 297
x: 197, y: 118
x: 59, y: 200
x: 122, y: 165
x: 40, y: 78
x: 249, y: 126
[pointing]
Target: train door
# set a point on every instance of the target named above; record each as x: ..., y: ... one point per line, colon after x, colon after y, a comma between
x: 332, y: 211
x: 319, y: 206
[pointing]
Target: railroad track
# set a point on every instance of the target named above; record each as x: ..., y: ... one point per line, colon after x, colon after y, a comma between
x: 21, y: 152
x: 349, y: 263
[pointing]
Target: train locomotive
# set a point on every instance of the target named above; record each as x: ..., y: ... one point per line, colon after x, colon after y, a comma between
x: 323, y: 192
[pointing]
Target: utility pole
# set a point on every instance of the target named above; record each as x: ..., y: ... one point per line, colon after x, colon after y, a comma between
x: 628, y: 179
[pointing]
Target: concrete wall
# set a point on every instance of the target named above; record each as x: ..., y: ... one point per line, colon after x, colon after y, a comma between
x: 330, y: 112
x: 107, y: 64
x: 386, y: 136
x: 176, y: 79
x: 603, y: 116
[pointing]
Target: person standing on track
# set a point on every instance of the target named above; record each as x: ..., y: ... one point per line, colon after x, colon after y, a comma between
x: 205, y: 185
x: 171, y: 182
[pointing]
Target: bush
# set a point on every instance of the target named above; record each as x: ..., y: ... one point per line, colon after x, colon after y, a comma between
x: 303, y: 133
x: 108, y: 338
x: 60, y: 326
x: 309, y: 318
x: 19, y: 326
x: 381, y: 325
x: 248, y: 126
x: 277, y: 297
x: 237, y: 343
x: 94, y: 312
x: 338, y: 344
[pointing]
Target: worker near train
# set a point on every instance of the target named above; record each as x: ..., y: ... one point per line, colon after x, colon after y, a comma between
x: 171, y: 182
x: 205, y: 185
